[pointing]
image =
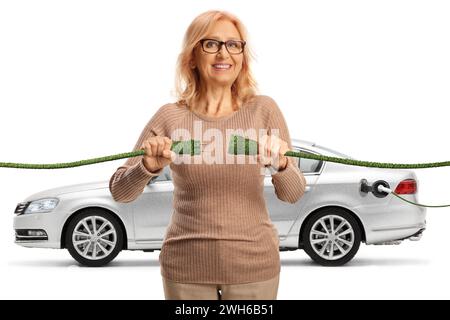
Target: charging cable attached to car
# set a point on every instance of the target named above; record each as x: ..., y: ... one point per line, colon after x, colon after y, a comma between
x: 381, y: 189
x: 241, y: 145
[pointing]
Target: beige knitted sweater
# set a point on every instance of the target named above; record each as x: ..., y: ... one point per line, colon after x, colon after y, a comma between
x: 220, y: 230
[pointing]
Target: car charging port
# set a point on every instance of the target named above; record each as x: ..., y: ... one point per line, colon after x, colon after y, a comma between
x: 374, y: 188
x: 377, y: 192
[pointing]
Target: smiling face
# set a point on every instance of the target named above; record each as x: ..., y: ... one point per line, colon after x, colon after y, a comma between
x: 220, y: 68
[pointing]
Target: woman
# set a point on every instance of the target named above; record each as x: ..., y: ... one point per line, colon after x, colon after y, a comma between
x: 220, y: 243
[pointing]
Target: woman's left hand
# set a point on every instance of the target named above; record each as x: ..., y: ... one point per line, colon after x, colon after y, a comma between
x: 271, y: 150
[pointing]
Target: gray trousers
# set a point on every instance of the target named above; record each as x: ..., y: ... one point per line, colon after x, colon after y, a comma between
x: 264, y: 290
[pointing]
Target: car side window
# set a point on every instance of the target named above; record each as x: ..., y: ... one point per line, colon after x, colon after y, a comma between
x: 308, y: 165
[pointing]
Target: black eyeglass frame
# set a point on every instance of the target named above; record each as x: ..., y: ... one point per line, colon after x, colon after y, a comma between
x: 221, y: 43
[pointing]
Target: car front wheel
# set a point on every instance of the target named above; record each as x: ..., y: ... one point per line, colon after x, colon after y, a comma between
x: 332, y: 237
x: 94, y: 238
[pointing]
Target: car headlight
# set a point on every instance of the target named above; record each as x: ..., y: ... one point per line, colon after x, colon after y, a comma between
x: 42, y: 205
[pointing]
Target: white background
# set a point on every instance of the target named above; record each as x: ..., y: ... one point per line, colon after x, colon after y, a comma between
x: 80, y: 79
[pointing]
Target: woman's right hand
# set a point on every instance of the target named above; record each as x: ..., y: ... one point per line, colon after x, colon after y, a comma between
x: 157, y: 153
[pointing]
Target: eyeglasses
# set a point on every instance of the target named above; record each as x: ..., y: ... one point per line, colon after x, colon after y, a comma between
x: 213, y: 46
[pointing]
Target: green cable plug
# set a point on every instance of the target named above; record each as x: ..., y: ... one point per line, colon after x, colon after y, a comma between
x: 191, y: 147
x: 241, y: 145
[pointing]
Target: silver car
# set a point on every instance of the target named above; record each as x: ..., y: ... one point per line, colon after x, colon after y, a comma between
x: 341, y: 208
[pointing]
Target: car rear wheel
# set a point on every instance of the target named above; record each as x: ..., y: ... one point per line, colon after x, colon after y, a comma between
x: 94, y: 238
x: 331, y: 237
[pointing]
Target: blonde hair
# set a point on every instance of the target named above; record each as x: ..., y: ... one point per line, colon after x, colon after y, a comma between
x: 244, y: 87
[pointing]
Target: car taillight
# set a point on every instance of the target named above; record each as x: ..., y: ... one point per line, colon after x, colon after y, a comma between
x: 407, y: 186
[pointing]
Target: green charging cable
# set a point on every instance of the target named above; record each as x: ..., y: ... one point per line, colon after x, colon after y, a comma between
x: 238, y: 145
x: 191, y: 147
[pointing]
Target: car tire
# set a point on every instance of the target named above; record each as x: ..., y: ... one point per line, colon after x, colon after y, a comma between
x: 331, y: 237
x: 94, y: 249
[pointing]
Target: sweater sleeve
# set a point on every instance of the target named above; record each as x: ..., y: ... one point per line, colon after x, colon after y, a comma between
x: 289, y: 183
x: 130, y: 179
